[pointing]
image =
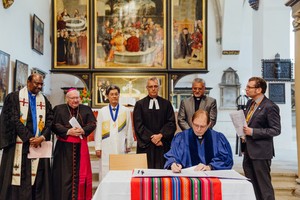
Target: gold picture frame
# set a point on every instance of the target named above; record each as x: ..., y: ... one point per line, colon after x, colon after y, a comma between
x: 71, y: 34
x: 189, y: 35
x: 133, y: 87
x: 130, y: 34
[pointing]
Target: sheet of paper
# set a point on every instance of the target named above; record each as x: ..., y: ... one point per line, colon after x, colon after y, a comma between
x: 164, y: 173
x: 228, y: 174
x: 188, y: 172
x: 75, y: 124
x: 239, y: 121
x: 44, y: 151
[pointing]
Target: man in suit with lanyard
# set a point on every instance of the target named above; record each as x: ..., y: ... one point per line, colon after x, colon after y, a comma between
x: 263, y: 123
x: 196, y: 102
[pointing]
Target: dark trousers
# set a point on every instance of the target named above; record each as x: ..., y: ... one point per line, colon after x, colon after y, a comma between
x: 258, y: 171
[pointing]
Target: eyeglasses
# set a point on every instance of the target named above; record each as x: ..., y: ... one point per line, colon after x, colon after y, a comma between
x: 152, y: 86
x: 198, y: 126
x: 197, y: 88
x: 73, y: 98
x: 250, y: 87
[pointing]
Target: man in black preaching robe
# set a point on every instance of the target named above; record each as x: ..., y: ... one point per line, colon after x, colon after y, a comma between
x: 154, y: 124
x: 72, y: 173
x: 25, y: 121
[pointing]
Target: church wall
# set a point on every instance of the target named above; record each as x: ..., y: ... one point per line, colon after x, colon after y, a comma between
x: 263, y: 33
x: 15, y: 36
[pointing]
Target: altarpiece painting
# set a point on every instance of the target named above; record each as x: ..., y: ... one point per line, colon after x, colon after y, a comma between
x: 130, y: 34
x: 71, y: 33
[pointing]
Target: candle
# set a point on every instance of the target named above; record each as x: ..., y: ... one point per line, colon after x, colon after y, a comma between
x: 172, y: 86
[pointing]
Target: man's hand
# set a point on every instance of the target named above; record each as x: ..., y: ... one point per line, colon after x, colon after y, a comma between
x: 176, y: 168
x: 159, y: 144
x: 75, y: 132
x: 202, y: 167
x: 127, y: 150
x: 36, y: 141
x: 156, y: 138
x: 247, y: 130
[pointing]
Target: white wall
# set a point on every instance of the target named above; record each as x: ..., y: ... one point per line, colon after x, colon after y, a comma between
x: 263, y: 34
x: 15, y: 35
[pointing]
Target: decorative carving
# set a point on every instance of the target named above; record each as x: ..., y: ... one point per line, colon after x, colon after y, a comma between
x: 254, y: 4
x: 7, y: 3
x: 229, y: 88
x: 296, y: 21
x: 277, y: 69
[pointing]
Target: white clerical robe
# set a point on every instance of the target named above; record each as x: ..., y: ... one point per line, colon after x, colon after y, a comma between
x: 112, y: 137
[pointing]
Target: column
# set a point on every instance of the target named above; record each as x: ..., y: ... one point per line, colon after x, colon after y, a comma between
x: 295, y: 4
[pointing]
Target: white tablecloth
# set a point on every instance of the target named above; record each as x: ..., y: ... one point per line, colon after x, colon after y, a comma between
x: 116, y: 186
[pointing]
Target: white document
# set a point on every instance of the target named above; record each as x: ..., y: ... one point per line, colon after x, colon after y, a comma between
x: 188, y: 172
x: 44, y: 151
x: 75, y: 124
x: 165, y: 172
x: 225, y: 174
x: 239, y: 121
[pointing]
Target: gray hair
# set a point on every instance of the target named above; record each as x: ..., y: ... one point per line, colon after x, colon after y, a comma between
x: 198, y: 80
x: 153, y: 78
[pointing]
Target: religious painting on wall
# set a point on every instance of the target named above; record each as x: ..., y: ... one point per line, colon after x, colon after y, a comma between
x: 130, y: 34
x: 189, y: 34
x: 38, y: 35
x: 71, y: 33
x: 133, y: 87
x: 21, y: 75
x: 4, y: 75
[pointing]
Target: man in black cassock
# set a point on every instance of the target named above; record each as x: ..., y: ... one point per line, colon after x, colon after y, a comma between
x: 72, y: 173
x: 20, y: 177
x: 154, y: 124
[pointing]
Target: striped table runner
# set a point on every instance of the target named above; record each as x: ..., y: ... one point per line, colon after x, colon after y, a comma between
x: 175, y: 188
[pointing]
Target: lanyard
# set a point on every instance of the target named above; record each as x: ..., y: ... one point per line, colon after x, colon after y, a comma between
x: 114, y: 118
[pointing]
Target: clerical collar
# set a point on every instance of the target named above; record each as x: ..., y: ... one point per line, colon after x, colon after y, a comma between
x: 74, y: 112
x: 31, y: 94
x: 197, y: 98
x: 200, y: 139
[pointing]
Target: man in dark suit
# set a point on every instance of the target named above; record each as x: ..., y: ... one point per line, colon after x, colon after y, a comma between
x: 154, y: 125
x: 198, y: 101
x: 263, y: 123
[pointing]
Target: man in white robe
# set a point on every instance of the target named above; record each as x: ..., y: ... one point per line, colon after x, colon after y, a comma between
x: 114, y: 130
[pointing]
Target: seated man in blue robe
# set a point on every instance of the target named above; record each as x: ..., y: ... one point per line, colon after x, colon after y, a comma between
x: 199, y: 146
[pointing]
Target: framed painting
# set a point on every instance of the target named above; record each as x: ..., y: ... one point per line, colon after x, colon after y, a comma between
x: 4, y: 75
x: 130, y: 34
x: 293, y: 102
x: 277, y: 92
x: 38, y: 35
x: 71, y: 33
x: 21, y: 75
x: 133, y: 87
x: 189, y: 40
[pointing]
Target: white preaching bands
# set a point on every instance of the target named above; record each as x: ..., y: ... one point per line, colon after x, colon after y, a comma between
x: 151, y: 103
